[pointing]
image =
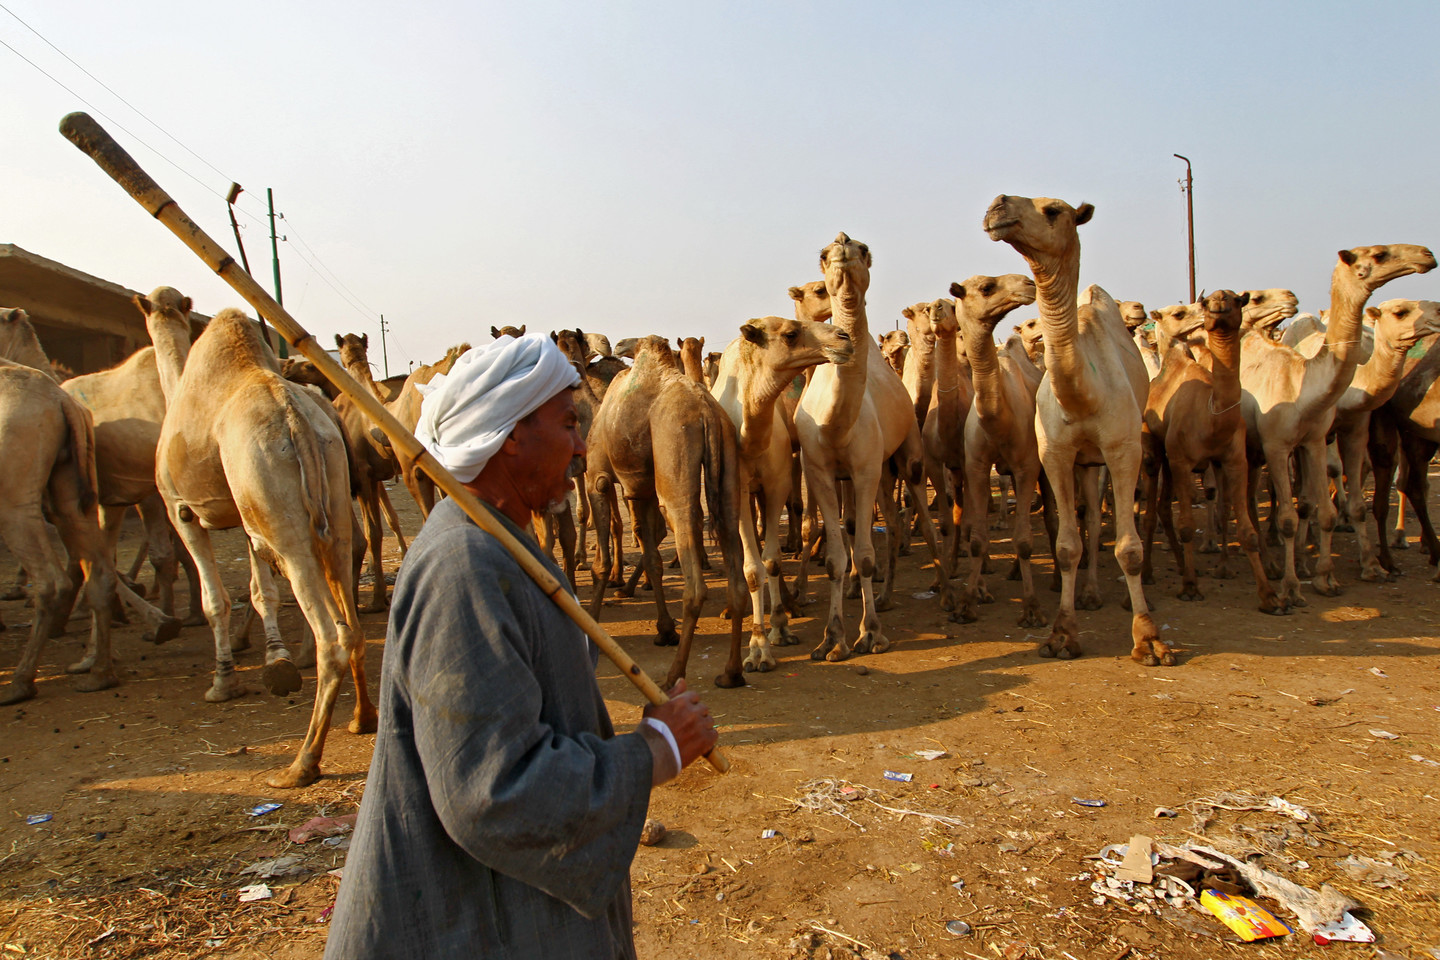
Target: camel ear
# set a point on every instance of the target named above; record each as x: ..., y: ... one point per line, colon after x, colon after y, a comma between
x: 495, y: 332
x: 797, y: 294
x: 522, y: 329
x: 579, y: 334
x: 702, y: 343
x: 907, y: 313
x: 1373, y: 313
x: 185, y: 307
x: 1348, y: 257
x: 1154, y: 314
x: 1243, y: 299
x: 339, y: 341
x: 13, y: 314
x: 1083, y: 213
x: 554, y: 337
x: 754, y: 331
x: 365, y: 340
x: 957, y: 290
x: 142, y: 303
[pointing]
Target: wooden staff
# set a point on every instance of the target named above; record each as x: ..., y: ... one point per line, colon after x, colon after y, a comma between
x: 92, y: 139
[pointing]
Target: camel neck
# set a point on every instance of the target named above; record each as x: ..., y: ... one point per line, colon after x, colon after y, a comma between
x: 990, y: 402
x: 1347, y: 309
x: 763, y: 387
x: 850, y: 378
x: 1055, y: 292
x: 947, y: 384
x: 171, y: 351
x: 25, y: 348
x: 359, y: 368
x: 1224, y: 349
x: 692, y: 366
x: 1379, y: 377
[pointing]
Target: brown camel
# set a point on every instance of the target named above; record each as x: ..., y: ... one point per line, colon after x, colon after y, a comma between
x: 712, y: 367
x: 894, y: 345
x: 755, y: 370
x: 655, y: 434
x: 1405, y: 433
x: 1193, y: 419
x: 574, y: 344
x: 852, y: 419
x: 943, y: 433
x: 918, y: 373
x: 692, y: 352
x: 1089, y: 406
x: 372, y: 462
x: 1289, y: 405
x: 999, y: 434
x: 406, y: 409
x: 242, y: 446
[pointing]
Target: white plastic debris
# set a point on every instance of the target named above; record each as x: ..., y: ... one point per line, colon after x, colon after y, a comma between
x: 931, y: 754
x: 1347, y: 929
x: 1384, y: 735
x: 256, y: 891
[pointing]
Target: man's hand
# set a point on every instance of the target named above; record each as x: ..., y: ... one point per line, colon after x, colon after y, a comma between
x: 689, y: 720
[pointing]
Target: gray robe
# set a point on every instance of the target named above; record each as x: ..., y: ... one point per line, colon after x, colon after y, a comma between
x: 501, y: 813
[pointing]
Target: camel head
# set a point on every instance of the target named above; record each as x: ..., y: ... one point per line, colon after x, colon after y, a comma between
x: 165, y: 303
x: 353, y: 349
x: 599, y: 345
x: 1370, y: 268
x: 1223, y: 311
x: 1405, y: 323
x: 920, y: 329
x: 893, y: 346
x: 812, y: 301
x: 1179, y: 323
x: 789, y: 347
x: 572, y: 343
x: 17, y: 336
x: 517, y: 332
x: 1042, y: 229
x: 653, y: 349
x: 846, y: 265
x: 986, y: 300
x: 1032, y: 335
x: 1267, y: 309
x: 1133, y: 313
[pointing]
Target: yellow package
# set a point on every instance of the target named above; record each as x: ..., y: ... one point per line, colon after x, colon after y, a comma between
x: 1243, y: 915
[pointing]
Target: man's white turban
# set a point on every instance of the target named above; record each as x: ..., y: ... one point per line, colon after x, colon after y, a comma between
x: 467, y: 413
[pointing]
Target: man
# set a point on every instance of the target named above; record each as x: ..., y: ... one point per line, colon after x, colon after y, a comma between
x: 501, y: 812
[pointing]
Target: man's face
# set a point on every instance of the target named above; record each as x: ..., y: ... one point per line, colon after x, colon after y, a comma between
x: 546, y: 442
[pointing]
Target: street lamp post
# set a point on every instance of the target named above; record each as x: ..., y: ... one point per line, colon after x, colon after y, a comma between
x: 1189, y: 188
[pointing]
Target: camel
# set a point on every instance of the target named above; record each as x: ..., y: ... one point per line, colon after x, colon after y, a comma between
x: 999, y: 434
x: 1289, y: 404
x: 573, y: 343
x: 598, y: 345
x: 655, y: 435
x: 406, y: 409
x: 372, y: 462
x: 1032, y: 337
x: 755, y: 370
x: 712, y: 367
x: 943, y: 432
x: 1266, y: 310
x: 1399, y: 326
x: 692, y: 350
x: 852, y: 419
x: 1089, y: 405
x: 242, y: 446
x: 894, y: 345
x: 1407, y: 426
x: 918, y: 373
x: 812, y: 305
x: 1192, y: 419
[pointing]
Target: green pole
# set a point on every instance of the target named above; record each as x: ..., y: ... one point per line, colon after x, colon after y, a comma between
x: 275, y: 262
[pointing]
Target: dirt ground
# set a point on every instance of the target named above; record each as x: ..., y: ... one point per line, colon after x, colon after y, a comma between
x: 148, y: 786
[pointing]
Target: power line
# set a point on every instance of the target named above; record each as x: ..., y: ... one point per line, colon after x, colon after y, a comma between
x: 355, y: 298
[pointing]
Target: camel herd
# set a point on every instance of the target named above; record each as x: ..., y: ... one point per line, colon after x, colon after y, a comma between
x: 1092, y: 403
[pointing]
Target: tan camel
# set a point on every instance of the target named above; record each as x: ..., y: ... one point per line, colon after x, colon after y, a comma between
x: 894, y: 344
x: 943, y: 434
x: 712, y: 367
x: 1289, y: 404
x: 999, y: 434
x: 812, y: 305
x: 755, y: 370
x: 1404, y: 434
x: 692, y: 352
x: 406, y: 409
x: 918, y: 373
x: 1192, y: 419
x: 372, y: 462
x: 655, y: 435
x: 1267, y: 309
x: 573, y: 548
x: 1089, y: 406
x: 1399, y: 326
x: 852, y: 419
x: 242, y: 446
x: 1032, y: 337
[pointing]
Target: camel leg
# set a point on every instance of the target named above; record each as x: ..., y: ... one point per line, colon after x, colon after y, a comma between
x: 374, y: 540
x: 25, y: 533
x: 1209, y: 482
x: 689, y: 545
x: 1220, y: 519
x: 1398, y: 540
x: 927, y: 530
x: 975, y: 531
x: 1167, y: 518
x: 833, y: 646
x: 1063, y: 640
x: 1151, y: 467
x: 617, y: 534
x: 1025, y: 487
x: 564, y: 524
x: 600, y: 509
x: 866, y: 484
x: 890, y: 516
x: 1416, y: 454
x: 1052, y: 527
x: 1287, y: 521
x: 759, y: 657
x: 1234, y: 474
x: 392, y: 519
x: 1124, y: 462
x: 1185, y: 506
x: 216, y: 601
x: 1383, y: 445
x: 1315, y: 481
x: 650, y: 525
x: 1355, y: 465
x: 582, y: 514
x: 794, y: 510
x: 281, y: 675
x: 1090, y: 598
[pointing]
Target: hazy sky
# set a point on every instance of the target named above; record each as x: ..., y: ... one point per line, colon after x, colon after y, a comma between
x: 671, y: 168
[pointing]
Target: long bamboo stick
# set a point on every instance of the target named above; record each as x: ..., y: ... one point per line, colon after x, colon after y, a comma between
x: 81, y: 130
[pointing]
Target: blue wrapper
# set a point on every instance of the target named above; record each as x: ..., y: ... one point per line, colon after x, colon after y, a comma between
x: 264, y: 808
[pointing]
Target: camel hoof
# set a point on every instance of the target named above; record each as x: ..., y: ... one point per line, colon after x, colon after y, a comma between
x: 295, y: 775
x: 366, y: 722
x: 1167, y: 659
x: 983, y: 595
x: 1014, y: 573
x: 884, y: 602
x: 729, y: 681
x: 758, y: 663
x: 1147, y: 579
x: 222, y: 690
x: 1065, y: 653
x: 1031, y: 617
x: 1374, y: 575
x: 281, y: 677
x: 965, y: 613
x: 1089, y: 599
x: 880, y: 644
x: 1399, y: 543
x: 167, y: 629
x: 91, y: 682
x: 15, y: 691
x: 82, y: 666
x: 667, y: 638
x: 1190, y: 593
x: 194, y: 620
x: 1222, y: 572
x: 375, y: 606
x: 1274, y: 606
x: 1273, y: 571
x: 14, y: 593
x: 1326, y: 585
x: 1344, y: 528
x: 1045, y: 650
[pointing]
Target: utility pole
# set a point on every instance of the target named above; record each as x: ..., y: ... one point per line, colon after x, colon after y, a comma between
x: 383, y: 351
x: 1188, y: 186
x: 275, y: 260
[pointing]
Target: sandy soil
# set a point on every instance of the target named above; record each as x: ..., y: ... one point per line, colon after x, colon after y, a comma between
x: 149, y: 786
